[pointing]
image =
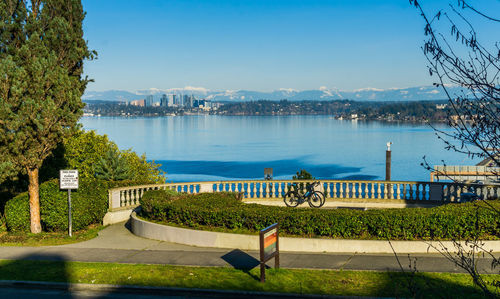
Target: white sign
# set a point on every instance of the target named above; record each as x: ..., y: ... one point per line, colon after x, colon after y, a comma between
x: 68, y: 179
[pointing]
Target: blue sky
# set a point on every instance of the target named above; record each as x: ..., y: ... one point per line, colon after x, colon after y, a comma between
x: 257, y: 45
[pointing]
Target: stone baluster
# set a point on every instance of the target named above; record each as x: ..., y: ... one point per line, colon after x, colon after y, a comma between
x: 326, y: 189
x: 446, y: 193
x: 131, y: 198
x: 126, y: 198
x: 121, y: 199
x: 334, y: 190
x: 398, y: 187
x: 341, y: 190
x: 455, y: 193
x: 372, y: 190
x: 387, y: 191
x: 251, y: 190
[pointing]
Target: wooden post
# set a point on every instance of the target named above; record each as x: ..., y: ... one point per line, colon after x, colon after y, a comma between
x: 388, y: 165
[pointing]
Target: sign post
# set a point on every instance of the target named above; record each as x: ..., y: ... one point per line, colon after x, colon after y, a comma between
x: 269, y: 248
x: 68, y: 179
x: 268, y: 174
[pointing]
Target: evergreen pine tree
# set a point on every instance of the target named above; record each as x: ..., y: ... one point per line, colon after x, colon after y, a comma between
x: 41, y: 64
x: 112, y: 167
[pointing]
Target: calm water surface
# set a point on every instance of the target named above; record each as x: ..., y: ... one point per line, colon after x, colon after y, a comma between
x: 240, y: 147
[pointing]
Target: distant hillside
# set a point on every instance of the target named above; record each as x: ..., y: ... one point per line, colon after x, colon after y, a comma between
x: 423, y: 93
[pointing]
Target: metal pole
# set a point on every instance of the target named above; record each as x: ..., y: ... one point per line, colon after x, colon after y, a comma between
x: 69, y: 213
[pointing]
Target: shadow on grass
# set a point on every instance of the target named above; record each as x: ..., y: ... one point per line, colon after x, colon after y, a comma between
x: 55, y: 268
x: 242, y: 261
x: 31, y: 272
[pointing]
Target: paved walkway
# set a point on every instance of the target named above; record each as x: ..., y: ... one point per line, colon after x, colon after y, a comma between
x: 116, y: 244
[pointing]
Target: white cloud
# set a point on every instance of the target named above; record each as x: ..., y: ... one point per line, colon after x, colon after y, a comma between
x: 368, y: 89
x: 289, y: 90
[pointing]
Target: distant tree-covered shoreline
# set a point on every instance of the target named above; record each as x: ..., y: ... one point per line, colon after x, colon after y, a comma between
x: 434, y: 111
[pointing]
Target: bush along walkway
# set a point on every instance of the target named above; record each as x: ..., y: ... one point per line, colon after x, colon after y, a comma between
x: 116, y: 244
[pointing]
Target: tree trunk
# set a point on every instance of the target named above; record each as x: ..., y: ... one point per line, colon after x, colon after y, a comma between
x: 35, y: 225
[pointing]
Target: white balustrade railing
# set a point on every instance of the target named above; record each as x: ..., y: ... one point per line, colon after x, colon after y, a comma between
x: 128, y: 197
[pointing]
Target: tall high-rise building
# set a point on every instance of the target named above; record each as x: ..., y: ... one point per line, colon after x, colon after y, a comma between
x: 149, y: 101
x: 170, y: 100
x: 163, y: 100
x: 180, y: 101
x: 186, y: 101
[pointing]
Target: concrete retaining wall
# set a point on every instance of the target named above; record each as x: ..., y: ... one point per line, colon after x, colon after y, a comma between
x: 116, y: 216
x: 201, y: 238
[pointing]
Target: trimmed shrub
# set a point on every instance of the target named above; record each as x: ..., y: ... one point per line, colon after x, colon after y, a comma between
x: 17, y: 213
x: 452, y: 221
x: 89, y: 204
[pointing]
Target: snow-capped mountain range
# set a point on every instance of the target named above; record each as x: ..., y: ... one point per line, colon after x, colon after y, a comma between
x: 421, y: 93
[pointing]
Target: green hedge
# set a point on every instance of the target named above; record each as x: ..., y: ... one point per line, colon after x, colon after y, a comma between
x: 223, y: 210
x: 89, y: 204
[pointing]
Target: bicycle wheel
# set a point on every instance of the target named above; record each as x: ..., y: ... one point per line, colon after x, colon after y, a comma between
x: 291, y: 199
x: 316, y: 200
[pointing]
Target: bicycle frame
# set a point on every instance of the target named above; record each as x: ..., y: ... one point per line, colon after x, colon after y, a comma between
x: 306, y: 196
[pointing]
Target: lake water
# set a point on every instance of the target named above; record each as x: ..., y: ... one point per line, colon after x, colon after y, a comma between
x: 206, y: 147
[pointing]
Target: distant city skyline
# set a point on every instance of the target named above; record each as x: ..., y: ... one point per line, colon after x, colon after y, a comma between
x: 259, y: 45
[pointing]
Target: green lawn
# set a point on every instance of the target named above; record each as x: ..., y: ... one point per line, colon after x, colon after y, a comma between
x: 46, y: 238
x: 346, y: 283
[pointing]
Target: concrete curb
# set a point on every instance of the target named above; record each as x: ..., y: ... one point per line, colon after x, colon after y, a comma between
x: 201, y: 238
x: 145, y: 290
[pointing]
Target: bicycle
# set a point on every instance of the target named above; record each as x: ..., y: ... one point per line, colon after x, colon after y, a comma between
x: 314, y: 198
